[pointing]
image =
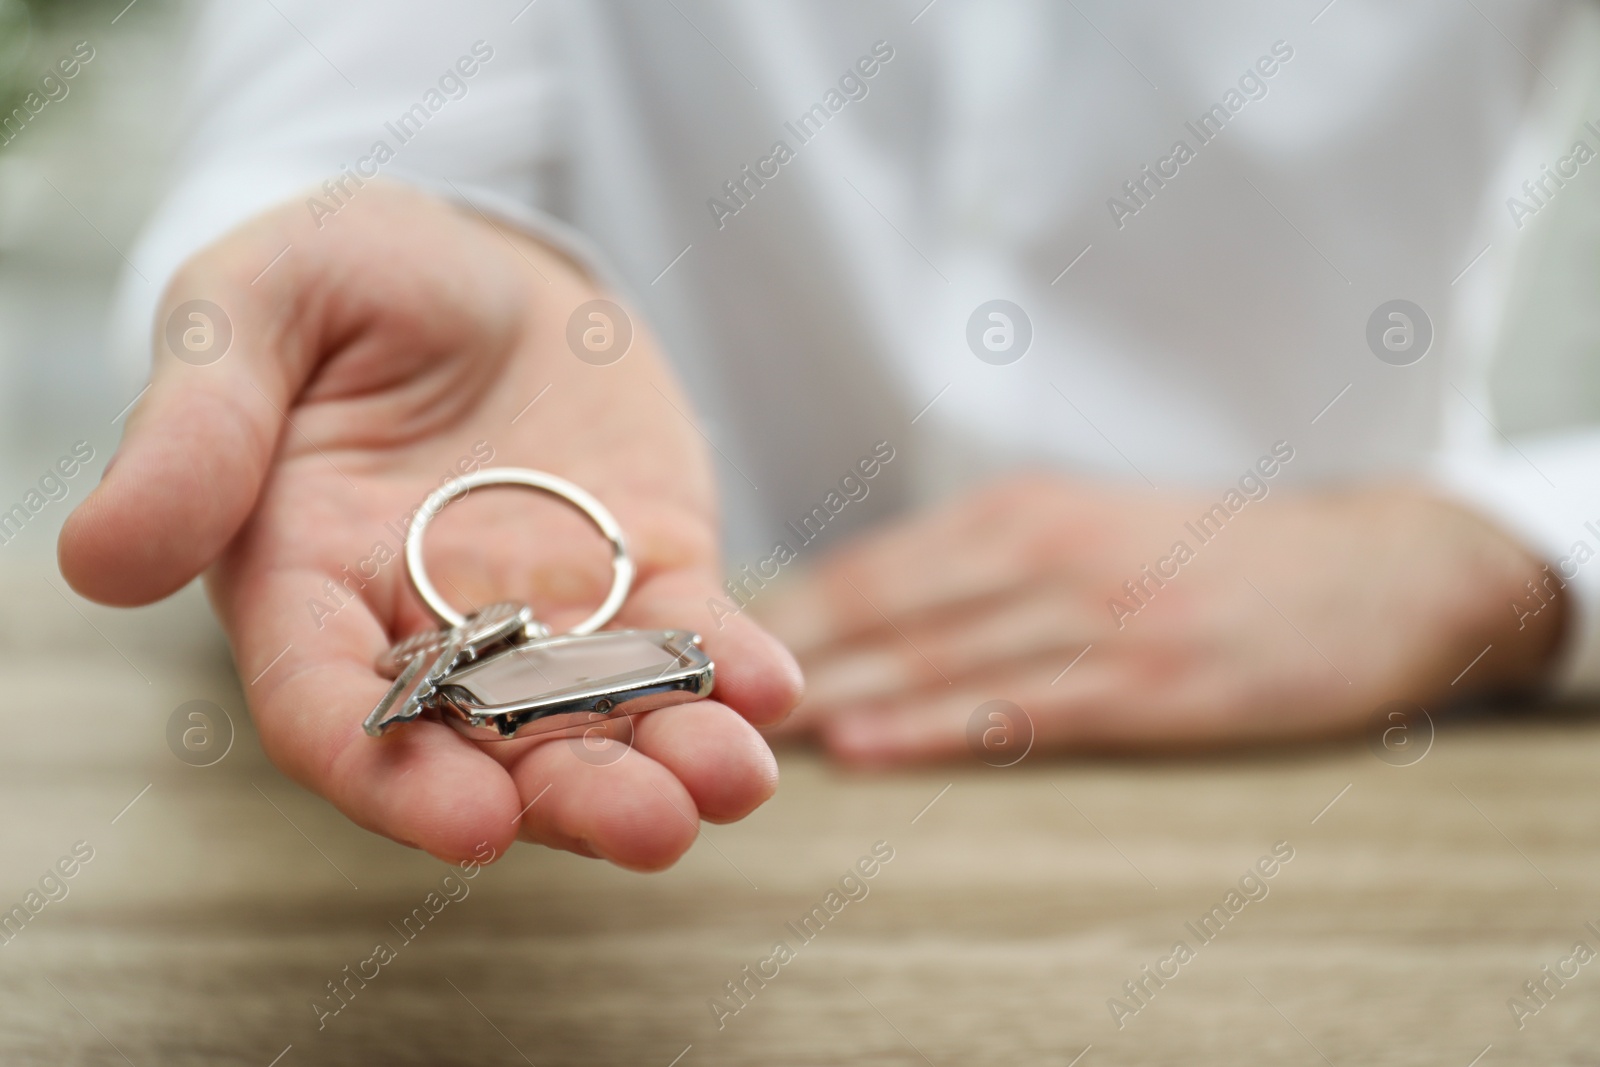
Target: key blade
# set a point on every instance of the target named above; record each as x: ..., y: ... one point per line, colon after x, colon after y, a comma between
x: 407, y: 698
x: 383, y: 716
x: 489, y: 630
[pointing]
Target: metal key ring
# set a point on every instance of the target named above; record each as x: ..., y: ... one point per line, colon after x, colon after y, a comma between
x: 622, y: 569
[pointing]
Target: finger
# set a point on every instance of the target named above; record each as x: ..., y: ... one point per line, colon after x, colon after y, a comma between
x: 937, y: 724
x: 719, y: 757
x: 951, y: 648
x: 198, y: 445
x: 424, y: 785
x: 925, y: 727
x: 858, y: 591
x: 1112, y: 700
x: 969, y: 549
x: 620, y: 806
x: 755, y: 674
x: 986, y: 545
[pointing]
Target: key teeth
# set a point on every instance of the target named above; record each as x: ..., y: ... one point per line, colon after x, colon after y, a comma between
x: 379, y: 721
x: 382, y: 726
x: 391, y: 708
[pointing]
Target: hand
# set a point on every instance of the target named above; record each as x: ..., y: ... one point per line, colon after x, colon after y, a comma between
x: 384, y: 353
x: 1299, y: 618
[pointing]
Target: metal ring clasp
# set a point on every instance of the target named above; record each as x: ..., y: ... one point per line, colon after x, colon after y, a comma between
x: 622, y: 568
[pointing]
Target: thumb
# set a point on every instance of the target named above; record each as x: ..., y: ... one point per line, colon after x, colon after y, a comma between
x: 197, y: 446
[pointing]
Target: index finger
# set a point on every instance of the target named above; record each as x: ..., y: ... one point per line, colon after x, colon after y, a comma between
x: 931, y: 562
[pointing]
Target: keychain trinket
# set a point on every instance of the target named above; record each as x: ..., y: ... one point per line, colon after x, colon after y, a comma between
x: 500, y: 673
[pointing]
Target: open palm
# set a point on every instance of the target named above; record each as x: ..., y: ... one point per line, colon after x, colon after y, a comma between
x: 403, y: 343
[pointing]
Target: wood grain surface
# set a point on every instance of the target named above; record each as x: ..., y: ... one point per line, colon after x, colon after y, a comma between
x: 220, y: 901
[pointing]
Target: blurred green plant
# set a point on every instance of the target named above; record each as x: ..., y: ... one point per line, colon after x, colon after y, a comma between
x: 16, y: 37
x: 24, y: 24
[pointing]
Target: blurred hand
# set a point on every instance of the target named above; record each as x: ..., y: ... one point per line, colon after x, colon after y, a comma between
x: 1300, y: 618
x: 365, y: 366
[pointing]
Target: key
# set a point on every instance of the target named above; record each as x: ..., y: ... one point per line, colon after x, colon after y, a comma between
x: 415, y: 685
x: 495, y: 627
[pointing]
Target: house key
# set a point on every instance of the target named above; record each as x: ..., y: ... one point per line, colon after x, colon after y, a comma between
x: 500, y: 673
x: 420, y: 661
x: 483, y: 632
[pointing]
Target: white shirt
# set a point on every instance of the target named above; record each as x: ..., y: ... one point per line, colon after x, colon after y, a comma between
x: 1189, y: 307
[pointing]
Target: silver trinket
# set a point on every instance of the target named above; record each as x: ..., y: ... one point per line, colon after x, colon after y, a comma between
x: 500, y: 673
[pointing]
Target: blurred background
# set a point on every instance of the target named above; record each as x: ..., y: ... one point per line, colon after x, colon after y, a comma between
x: 78, y: 180
x: 75, y: 185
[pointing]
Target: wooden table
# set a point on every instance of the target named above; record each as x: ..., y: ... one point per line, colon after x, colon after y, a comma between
x: 221, y: 900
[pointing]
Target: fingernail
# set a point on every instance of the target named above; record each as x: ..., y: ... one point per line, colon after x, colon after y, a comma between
x: 798, y: 614
x: 862, y: 735
x: 852, y: 678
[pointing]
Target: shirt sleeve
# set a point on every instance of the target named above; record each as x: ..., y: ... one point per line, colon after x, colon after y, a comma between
x: 308, y: 100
